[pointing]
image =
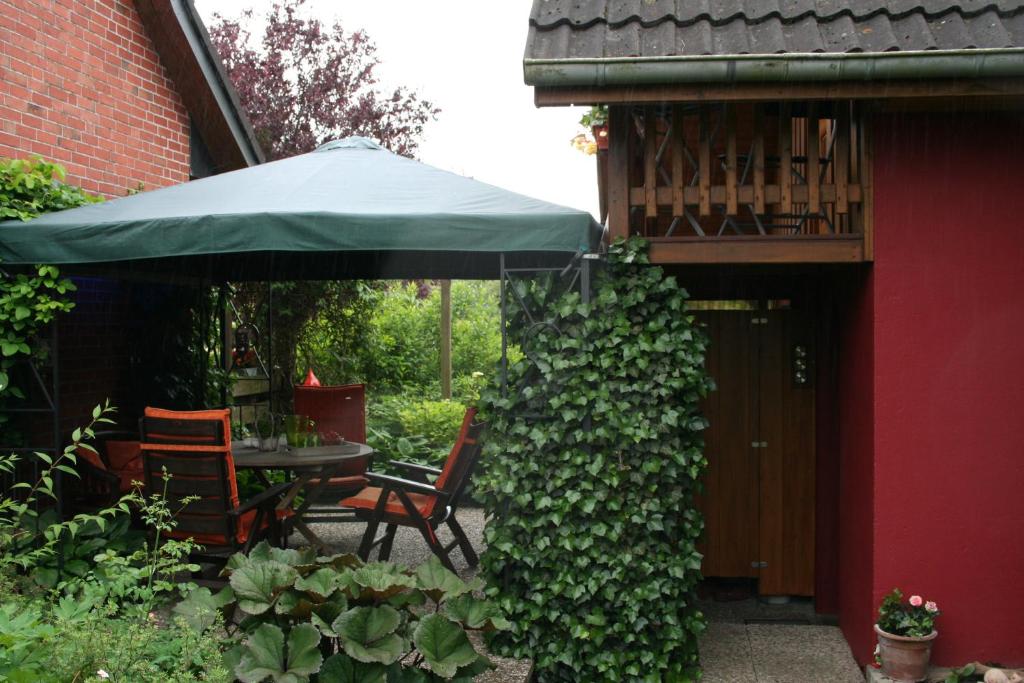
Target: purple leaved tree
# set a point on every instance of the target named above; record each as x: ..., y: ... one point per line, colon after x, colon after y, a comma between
x: 303, y: 83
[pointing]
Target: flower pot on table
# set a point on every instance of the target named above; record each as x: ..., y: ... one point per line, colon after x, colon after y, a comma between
x: 905, y: 658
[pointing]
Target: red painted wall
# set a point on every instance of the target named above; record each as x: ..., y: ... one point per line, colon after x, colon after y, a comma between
x: 947, y: 301
x: 81, y: 84
x: 856, y: 463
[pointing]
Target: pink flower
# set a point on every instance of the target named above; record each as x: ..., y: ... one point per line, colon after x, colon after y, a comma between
x: 931, y: 606
x: 916, y: 601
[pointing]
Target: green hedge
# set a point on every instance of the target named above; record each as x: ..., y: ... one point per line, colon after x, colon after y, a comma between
x: 591, y: 548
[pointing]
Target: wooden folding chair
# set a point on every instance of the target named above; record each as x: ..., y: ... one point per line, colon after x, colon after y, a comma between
x: 416, y: 503
x: 195, y: 450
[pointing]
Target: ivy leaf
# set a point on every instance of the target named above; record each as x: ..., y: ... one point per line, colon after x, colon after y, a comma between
x: 263, y: 655
x: 341, y: 668
x: 443, y: 644
x: 368, y: 634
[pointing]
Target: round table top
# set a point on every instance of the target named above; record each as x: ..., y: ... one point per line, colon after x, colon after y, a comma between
x: 297, y: 458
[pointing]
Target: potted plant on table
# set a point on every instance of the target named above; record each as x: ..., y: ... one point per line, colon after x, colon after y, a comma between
x: 906, y: 631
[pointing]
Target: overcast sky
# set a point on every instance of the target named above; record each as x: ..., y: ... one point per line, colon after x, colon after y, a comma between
x: 466, y: 57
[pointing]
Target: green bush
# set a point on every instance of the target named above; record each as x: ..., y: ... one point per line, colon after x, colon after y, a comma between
x: 30, y: 187
x: 591, y: 546
x: 437, y: 421
x: 389, y: 337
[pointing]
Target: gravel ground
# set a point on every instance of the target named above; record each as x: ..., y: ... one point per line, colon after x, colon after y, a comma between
x: 411, y: 550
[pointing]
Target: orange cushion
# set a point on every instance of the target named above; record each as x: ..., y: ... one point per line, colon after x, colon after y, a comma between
x: 124, y: 455
x: 92, y: 458
x: 245, y: 522
x: 343, y: 482
x: 368, y: 497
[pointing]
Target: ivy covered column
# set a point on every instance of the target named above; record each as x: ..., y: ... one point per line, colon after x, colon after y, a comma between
x: 592, y: 462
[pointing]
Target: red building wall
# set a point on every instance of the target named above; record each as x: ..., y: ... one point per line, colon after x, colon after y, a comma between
x: 946, y: 300
x: 81, y: 84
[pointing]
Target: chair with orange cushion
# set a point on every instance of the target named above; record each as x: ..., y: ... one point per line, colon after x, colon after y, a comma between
x: 416, y: 503
x: 107, y: 472
x: 194, y: 448
x: 336, y: 410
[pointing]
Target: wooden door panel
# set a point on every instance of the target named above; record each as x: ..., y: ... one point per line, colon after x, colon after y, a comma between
x: 787, y: 468
x: 730, y: 500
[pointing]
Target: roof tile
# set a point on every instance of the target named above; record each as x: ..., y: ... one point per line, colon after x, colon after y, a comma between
x: 625, y: 28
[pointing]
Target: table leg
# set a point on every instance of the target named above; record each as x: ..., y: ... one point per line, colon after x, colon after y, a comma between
x: 323, y: 475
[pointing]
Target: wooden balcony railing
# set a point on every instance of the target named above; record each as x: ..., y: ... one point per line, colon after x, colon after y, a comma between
x: 738, y: 182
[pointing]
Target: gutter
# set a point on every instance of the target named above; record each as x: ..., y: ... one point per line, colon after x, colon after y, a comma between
x: 220, y: 84
x: 783, y: 68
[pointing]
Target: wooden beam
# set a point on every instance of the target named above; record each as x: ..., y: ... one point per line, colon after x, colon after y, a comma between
x: 731, y: 202
x: 650, y: 160
x: 911, y: 90
x: 758, y: 249
x: 618, y: 171
x: 841, y: 158
x: 813, y: 159
x: 867, y: 170
x: 704, y: 162
x: 758, y: 161
x: 785, y: 158
x: 745, y: 194
x: 678, y: 165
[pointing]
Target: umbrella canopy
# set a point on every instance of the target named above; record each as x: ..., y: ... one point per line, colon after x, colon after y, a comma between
x: 351, y: 209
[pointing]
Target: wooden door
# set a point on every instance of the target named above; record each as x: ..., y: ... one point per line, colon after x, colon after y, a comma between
x: 786, y: 440
x: 758, y: 500
x: 730, y: 503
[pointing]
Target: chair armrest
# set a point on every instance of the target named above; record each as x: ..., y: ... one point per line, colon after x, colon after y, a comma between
x: 393, y: 483
x: 413, y: 467
x: 261, y: 497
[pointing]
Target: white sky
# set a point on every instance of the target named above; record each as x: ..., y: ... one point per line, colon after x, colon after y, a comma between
x: 465, y: 56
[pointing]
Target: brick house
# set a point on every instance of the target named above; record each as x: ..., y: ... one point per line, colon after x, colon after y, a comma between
x: 126, y: 95
x: 839, y: 183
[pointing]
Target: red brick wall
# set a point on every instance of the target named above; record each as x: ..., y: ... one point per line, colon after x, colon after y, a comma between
x: 81, y: 84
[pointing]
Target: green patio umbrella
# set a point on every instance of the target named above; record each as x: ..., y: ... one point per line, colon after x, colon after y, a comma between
x: 351, y: 209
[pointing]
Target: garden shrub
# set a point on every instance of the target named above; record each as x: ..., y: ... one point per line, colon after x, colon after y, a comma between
x: 437, y: 421
x: 591, y: 548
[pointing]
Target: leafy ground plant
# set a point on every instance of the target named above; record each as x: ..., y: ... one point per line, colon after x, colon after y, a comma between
x: 592, y: 538
x: 296, y: 617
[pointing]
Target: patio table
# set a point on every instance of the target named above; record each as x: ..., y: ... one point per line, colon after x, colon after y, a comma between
x: 321, y: 463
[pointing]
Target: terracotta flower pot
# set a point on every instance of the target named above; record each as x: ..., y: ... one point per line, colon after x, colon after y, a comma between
x: 905, y: 658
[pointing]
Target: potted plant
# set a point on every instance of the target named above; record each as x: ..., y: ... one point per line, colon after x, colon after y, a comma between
x: 906, y: 631
x: 596, y: 120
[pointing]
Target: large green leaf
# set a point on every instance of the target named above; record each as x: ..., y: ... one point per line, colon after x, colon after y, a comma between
x: 368, y: 634
x: 475, y: 614
x: 319, y: 585
x: 378, y: 581
x: 199, y: 608
x: 444, y: 645
x: 257, y: 584
x: 264, y: 655
x: 341, y: 668
x: 439, y: 583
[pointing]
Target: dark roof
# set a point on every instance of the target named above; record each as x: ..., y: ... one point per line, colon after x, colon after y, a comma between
x: 193, y: 64
x: 599, y: 29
